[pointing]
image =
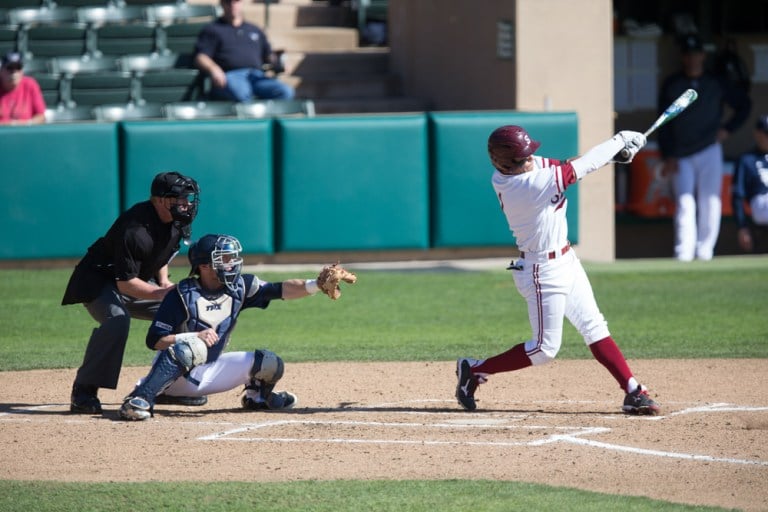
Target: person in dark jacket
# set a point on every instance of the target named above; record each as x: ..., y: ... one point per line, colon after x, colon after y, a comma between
x: 750, y: 186
x: 124, y: 274
x: 691, y: 149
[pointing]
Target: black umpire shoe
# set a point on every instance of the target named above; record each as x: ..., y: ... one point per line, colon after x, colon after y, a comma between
x: 84, y: 400
x: 190, y: 401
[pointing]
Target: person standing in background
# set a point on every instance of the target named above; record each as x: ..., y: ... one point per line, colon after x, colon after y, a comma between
x: 691, y: 149
x: 750, y: 185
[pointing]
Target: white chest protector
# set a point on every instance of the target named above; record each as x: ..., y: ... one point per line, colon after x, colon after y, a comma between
x: 215, y: 312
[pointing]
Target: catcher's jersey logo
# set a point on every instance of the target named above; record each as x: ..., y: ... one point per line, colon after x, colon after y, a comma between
x: 213, y: 312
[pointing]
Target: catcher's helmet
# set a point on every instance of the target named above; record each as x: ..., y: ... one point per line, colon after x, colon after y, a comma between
x: 222, y: 252
x: 174, y: 184
x: 509, y: 145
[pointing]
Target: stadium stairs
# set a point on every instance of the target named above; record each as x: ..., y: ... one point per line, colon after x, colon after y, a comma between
x: 326, y: 58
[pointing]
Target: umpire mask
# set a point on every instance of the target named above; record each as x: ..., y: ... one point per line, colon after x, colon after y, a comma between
x: 186, y: 192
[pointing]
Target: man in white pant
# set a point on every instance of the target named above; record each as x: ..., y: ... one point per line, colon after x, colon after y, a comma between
x: 549, y: 275
x: 691, y: 151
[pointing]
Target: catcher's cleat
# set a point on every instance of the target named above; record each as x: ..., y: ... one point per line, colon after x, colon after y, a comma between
x: 84, y: 400
x: 638, y: 402
x: 277, y: 401
x: 466, y: 386
x: 135, y: 409
x: 190, y: 401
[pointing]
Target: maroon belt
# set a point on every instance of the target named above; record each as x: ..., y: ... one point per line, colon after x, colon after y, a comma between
x: 553, y: 254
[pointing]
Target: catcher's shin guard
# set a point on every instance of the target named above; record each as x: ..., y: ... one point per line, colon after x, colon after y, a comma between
x: 164, y: 371
x: 267, y: 369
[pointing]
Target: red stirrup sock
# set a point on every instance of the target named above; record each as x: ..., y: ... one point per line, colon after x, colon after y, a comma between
x: 609, y: 355
x: 509, y: 361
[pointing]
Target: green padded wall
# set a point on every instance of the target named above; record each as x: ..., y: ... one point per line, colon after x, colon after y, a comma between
x: 231, y: 161
x: 353, y: 182
x: 60, y: 188
x: 465, y: 211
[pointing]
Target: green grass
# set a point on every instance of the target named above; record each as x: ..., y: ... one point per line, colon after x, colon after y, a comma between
x: 654, y: 308
x: 312, y: 496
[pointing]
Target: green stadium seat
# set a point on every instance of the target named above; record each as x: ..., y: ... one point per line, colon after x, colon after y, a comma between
x: 275, y: 108
x: 166, y: 14
x: 125, y: 39
x: 17, y: 4
x: 69, y: 115
x: 74, y: 65
x: 28, y: 16
x: 172, y: 86
x: 199, y: 110
x: 101, y: 88
x: 50, y: 87
x: 130, y: 112
x: 142, y: 63
x: 55, y: 40
x: 178, y: 37
x: 83, y: 3
x: 8, y: 39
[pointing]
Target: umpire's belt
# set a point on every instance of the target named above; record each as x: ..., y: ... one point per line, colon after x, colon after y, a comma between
x: 541, y: 257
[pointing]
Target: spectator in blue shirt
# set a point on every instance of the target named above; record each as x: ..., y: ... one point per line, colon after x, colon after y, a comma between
x: 234, y: 53
x: 750, y: 185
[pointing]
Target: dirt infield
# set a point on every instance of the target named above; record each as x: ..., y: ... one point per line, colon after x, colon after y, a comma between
x: 559, y: 424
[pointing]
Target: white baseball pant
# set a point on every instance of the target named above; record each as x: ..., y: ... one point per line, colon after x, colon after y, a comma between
x: 697, y: 185
x: 555, y: 289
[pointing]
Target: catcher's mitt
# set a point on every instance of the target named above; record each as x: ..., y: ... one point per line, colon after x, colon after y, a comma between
x: 329, y: 278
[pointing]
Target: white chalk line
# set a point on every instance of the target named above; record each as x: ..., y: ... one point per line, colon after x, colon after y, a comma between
x: 576, y: 438
x: 575, y: 435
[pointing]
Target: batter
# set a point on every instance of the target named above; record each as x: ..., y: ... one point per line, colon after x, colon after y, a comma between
x: 531, y: 191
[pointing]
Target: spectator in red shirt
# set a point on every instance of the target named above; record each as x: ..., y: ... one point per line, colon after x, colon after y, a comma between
x: 21, y: 101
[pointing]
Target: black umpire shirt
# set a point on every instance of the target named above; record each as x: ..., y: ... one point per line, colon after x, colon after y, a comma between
x: 138, y: 244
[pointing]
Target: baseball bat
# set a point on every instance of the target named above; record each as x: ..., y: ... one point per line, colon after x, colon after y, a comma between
x: 681, y: 103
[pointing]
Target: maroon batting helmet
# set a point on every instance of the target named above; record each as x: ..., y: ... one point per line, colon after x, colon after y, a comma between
x: 509, y: 145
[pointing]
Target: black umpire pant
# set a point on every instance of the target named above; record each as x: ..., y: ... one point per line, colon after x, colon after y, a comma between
x: 104, y: 354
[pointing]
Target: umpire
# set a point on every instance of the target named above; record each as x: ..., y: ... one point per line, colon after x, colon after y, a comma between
x: 124, y: 274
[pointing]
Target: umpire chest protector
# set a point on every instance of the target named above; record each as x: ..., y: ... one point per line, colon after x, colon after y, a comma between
x: 218, y: 312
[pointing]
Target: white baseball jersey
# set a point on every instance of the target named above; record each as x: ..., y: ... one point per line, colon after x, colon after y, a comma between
x: 552, y: 281
x: 534, y: 203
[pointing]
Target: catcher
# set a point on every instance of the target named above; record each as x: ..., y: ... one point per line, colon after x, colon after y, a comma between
x: 193, y: 325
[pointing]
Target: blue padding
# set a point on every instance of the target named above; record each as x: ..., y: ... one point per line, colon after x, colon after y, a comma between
x: 353, y: 183
x: 465, y: 211
x: 60, y: 188
x: 231, y: 161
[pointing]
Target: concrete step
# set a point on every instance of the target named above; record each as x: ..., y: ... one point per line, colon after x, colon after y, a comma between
x: 283, y: 16
x: 338, y: 63
x: 351, y: 105
x: 318, y: 39
x: 353, y: 86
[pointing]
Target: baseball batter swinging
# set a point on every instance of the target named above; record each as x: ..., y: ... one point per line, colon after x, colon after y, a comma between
x: 548, y: 273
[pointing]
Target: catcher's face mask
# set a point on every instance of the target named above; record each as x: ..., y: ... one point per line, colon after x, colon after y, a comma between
x: 226, y: 261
